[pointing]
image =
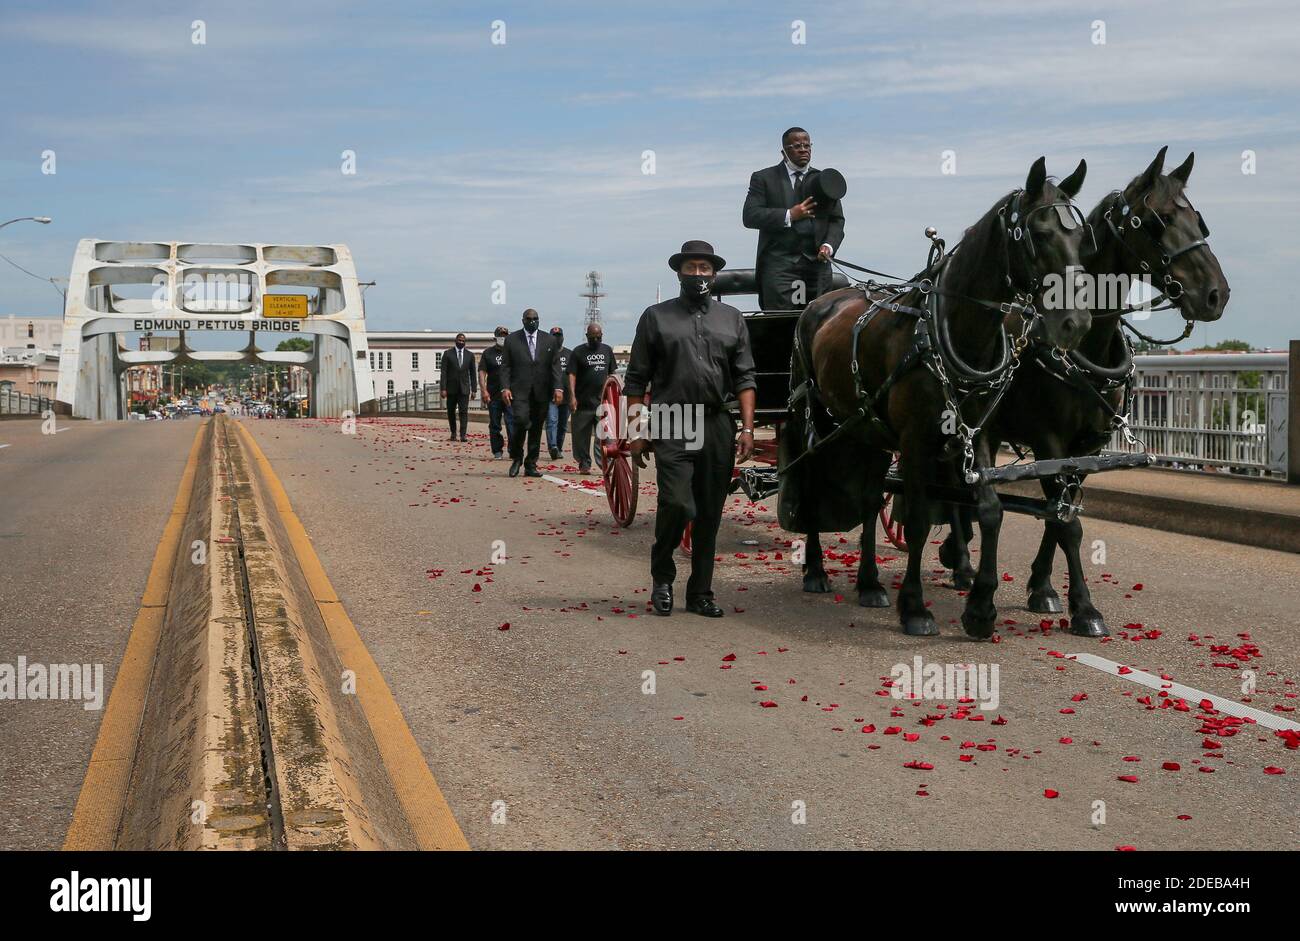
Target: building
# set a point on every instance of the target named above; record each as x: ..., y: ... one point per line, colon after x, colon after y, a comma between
x: 33, y: 333
x: 30, y: 371
x: 402, y: 360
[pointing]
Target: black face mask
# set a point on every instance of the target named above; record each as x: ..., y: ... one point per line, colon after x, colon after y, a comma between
x: 593, y: 342
x: 695, y: 288
x: 460, y: 344
x: 531, y: 324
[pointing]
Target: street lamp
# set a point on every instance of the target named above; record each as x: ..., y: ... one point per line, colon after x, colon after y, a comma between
x: 43, y: 220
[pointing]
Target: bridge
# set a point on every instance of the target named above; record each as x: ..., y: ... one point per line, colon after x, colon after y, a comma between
x: 195, y: 290
x: 329, y: 634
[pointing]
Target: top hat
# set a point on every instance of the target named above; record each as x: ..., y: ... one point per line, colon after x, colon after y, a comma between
x: 696, y: 248
x: 826, y: 186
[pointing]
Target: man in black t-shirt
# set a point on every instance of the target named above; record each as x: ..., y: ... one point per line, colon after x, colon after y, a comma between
x: 490, y: 390
x: 589, y: 366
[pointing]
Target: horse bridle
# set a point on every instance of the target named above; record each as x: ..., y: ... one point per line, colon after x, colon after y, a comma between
x: 1015, y: 227
x: 1131, y: 221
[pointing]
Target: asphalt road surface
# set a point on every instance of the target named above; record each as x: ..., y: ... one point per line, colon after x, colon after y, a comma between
x: 81, y: 513
x: 589, y: 723
x: 545, y: 734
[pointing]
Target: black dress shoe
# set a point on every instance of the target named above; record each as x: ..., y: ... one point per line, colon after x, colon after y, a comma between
x: 514, y: 468
x: 463, y: 438
x: 532, y: 471
x: 555, y: 454
x: 705, y: 607
x: 661, y: 598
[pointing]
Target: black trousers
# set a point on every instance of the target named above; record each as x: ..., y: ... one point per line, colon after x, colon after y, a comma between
x: 693, y: 488
x: 458, y: 403
x: 529, y: 411
x: 584, y: 426
x: 790, y: 282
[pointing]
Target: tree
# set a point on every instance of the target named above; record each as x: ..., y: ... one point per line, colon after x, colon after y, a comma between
x: 295, y: 344
x: 1226, y: 346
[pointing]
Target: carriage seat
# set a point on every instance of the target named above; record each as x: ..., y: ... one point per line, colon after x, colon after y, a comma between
x: 743, y: 281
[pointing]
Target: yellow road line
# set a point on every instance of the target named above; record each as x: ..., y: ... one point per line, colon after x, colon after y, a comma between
x: 99, y: 808
x: 422, y: 800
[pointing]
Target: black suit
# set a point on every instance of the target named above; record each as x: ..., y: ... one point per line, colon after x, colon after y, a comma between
x: 787, y: 254
x: 457, y: 384
x: 532, y: 383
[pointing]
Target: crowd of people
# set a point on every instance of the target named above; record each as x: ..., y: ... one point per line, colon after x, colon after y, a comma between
x: 531, y: 383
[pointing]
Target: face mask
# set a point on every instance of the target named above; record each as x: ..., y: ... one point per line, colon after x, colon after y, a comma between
x: 531, y: 325
x: 695, y: 287
x: 460, y: 344
x: 593, y: 342
x: 501, y: 341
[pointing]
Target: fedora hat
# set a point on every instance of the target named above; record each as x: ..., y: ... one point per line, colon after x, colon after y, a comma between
x: 696, y: 248
x: 828, y: 185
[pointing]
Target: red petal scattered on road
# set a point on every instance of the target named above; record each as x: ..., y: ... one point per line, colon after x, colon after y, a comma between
x: 768, y: 704
x: 477, y: 587
x: 1273, y: 769
x: 729, y: 658
x: 1172, y: 766
x: 506, y: 627
x: 1126, y: 849
x: 1049, y: 793
x: 919, y: 765
x: 1128, y: 778
x: 868, y: 728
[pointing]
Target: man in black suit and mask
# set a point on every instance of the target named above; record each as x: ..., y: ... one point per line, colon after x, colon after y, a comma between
x: 530, y: 381
x: 459, y: 379
x: 799, y: 227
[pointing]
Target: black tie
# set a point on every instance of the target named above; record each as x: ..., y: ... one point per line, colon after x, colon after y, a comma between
x: 798, y: 182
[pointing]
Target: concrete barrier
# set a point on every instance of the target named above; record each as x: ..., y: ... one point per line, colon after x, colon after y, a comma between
x: 251, y: 738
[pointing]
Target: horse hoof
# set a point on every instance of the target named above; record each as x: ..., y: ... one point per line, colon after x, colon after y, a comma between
x: 980, y: 627
x: 818, y: 584
x: 1090, y: 625
x: 947, y: 555
x: 963, y: 581
x: 1045, y: 602
x: 873, y: 598
x: 919, y: 626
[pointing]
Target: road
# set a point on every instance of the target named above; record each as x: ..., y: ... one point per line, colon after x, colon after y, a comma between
x: 544, y: 734
x: 81, y: 512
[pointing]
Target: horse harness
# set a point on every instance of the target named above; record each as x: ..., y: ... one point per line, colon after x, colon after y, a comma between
x: 932, y: 347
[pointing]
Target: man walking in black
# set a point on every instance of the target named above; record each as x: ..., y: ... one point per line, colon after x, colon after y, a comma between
x: 530, y: 380
x: 490, y: 390
x: 799, y: 226
x: 691, y: 355
x: 589, y: 366
x: 557, y: 415
x: 458, y: 381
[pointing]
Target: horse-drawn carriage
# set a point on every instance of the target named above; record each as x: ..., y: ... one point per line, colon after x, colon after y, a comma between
x: 871, y: 368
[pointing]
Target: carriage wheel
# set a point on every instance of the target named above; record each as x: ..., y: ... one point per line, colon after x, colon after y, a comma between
x: 619, y: 471
x: 892, y: 526
x: 686, y: 538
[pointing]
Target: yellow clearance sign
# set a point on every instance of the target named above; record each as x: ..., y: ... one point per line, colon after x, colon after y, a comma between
x: 284, y: 305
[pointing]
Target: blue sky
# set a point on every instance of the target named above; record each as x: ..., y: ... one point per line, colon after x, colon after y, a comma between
x: 522, y: 162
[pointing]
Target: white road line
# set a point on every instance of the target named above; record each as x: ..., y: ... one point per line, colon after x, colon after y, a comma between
x: 1150, y: 680
x: 418, y: 438
x: 4, y: 445
x: 570, y: 485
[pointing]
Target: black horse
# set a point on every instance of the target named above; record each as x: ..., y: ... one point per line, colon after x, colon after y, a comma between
x: 1068, y: 406
x: 912, y: 371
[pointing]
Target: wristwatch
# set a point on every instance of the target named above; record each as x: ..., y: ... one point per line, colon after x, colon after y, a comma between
x: 747, y: 431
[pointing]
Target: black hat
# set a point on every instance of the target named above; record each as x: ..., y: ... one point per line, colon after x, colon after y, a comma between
x: 827, y: 186
x: 696, y: 249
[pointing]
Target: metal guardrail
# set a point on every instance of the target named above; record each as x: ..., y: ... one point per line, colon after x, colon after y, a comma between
x: 1220, y: 410
x: 20, y: 403
x: 425, y: 399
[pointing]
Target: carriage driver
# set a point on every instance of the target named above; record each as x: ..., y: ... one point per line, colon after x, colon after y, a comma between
x: 691, y: 355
